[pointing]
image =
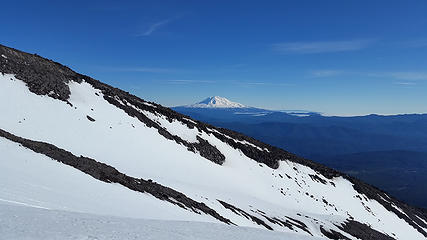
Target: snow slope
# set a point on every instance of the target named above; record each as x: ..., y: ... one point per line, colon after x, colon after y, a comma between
x: 32, y: 179
x: 17, y: 222
x: 247, y: 182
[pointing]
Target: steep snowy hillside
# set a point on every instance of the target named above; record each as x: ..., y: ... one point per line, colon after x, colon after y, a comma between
x: 69, y: 142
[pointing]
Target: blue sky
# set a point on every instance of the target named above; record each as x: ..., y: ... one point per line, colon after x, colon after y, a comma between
x: 335, y: 57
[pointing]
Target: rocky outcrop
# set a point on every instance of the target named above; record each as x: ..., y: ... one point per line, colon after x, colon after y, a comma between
x: 240, y: 212
x: 42, y: 76
x: 362, y: 231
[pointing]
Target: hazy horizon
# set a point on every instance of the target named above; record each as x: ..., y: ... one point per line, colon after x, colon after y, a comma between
x: 307, y: 110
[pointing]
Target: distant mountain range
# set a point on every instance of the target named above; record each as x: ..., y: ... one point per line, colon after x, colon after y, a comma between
x: 216, y: 102
x: 223, y: 108
x: 329, y: 139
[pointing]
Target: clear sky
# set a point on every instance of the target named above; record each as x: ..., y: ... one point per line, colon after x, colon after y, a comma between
x: 336, y: 57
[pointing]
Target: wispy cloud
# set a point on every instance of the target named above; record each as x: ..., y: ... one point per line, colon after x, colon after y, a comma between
x: 140, y: 69
x: 405, y: 83
x: 404, y: 79
x: 326, y: 73
x: 185, y: 81
x: 238, y: 65
x: 321, y: 47
x: 241, y: 83
x: 145, y: 69
x: 409, y: 75
x: 415, y: 43
x: 255, y: 83
x: 276, y: 84
x: 154, y: 27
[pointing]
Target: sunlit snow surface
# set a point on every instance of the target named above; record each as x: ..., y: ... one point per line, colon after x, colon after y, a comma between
x: 31, y: 179
x: 31, y: 223
x: 131, y: 147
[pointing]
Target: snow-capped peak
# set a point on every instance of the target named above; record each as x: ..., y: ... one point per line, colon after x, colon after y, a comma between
x: 217, y: 102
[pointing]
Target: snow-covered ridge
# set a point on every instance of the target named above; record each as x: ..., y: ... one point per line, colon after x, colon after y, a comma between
x: 216, y: 102
x: 255, y: 185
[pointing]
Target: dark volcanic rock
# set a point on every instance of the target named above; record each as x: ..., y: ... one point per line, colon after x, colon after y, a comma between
x: 42, y: 76
x: 239, y: 211
x: 90, y: 118
x: 208, y: 151
x: 331, y: 234
x: 363, y: 231
x: 356, y: 229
